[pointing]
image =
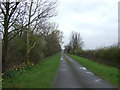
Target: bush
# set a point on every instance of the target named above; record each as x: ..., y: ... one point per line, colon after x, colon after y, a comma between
x: 107, y: 55
x: 16, y: 52
x: 38, y: 52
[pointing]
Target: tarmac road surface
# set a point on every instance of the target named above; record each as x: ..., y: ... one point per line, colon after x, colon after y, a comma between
x: 73, y: 75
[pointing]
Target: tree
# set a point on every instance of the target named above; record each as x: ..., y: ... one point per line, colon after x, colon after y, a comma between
x: 38, y: 13
x: 8, y: 14
x: 0, y: 55
x: 75, y: 43
x: 53, y: 42
x: 15, y: 17
x: 68, y: 48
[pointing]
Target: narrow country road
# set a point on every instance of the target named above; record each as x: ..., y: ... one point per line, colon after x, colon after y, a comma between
x: 73, y: 75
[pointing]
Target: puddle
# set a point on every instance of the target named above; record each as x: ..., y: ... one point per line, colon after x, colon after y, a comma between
x: 83, y: 68
x: 89, y: 72
x: 61, y: 58
x: 63, y: 70
x: 98, y: 80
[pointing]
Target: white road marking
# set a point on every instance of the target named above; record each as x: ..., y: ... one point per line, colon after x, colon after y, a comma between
x: 61, y: 58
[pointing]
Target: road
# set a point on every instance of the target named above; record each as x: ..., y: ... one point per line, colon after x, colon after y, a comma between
x: 73, y: 75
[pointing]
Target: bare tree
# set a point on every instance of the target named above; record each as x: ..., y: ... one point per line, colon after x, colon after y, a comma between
x: 8, y: 13
x: 28, y: 15
x: 38, y: 13
x: 75, y: 43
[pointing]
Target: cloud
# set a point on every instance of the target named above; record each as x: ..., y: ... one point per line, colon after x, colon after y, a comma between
x: 96, y: 20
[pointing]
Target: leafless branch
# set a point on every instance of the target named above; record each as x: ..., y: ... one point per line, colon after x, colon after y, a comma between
x: 2, y: 8
x: 13, y: 10
x: 18, y: 31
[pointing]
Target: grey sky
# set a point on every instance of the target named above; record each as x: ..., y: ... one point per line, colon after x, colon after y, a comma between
x: 95, y: 20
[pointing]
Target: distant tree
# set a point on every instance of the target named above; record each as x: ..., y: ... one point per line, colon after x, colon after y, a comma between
x: 75, y: 44
x: 68, y: 48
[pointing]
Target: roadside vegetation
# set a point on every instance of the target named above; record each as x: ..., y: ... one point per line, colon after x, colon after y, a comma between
x: 40, y: 75
x: 106, y: 55
x: 28, y: 35
x: 103, y: 62
x: 109, y: 73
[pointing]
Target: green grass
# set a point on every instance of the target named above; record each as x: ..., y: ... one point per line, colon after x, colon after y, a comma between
x: 104, y: 71
x: 40, y: 76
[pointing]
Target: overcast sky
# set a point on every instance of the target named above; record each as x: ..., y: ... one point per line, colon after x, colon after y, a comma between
x: 95, y: 20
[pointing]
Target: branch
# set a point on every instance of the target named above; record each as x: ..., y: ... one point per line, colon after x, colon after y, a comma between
x: 35, y: 9
x: 1, y: 31
x: 1, y: 23
x: 14, y: 35
x: 14, y: 21
x: 44, y: 13
x: 31, y: 47
x: 13, y: 31
x: 2, y: 9
x: 13, y: 9
x: 35, y: 26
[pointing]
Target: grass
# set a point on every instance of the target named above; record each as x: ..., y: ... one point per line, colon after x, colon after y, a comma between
x: 40, y: 76
x: 104, y: 71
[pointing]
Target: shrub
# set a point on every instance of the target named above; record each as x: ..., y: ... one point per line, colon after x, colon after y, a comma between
x: 107, y: 55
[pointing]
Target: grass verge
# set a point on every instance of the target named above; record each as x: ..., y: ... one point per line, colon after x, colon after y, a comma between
x: 40, y: 76
x: 111, y: 74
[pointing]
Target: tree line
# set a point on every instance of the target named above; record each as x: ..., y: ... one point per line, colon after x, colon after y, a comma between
x: 75, y: 44
x: 107, y: 55
x: 28, y: 34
